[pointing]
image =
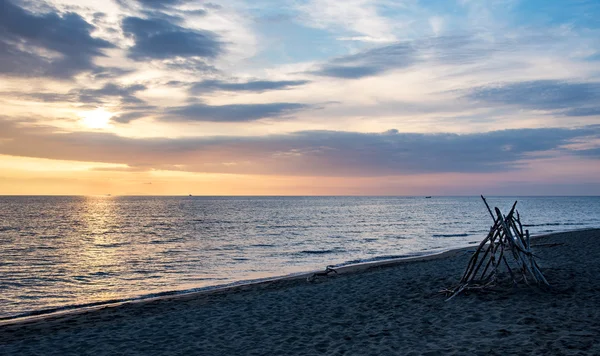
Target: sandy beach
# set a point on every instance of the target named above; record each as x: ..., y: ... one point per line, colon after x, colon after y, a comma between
x: 371, y: 310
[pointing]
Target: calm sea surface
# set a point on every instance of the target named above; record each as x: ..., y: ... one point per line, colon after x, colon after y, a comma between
x: 58, y: 252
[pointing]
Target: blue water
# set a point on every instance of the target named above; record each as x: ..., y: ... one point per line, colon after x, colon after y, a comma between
x: 64, y: 251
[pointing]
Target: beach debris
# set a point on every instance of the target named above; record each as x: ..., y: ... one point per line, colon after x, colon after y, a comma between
x: 505, y: 238
x: 328, y: 270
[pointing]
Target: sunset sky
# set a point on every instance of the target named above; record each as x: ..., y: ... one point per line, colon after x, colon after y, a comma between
x: 300, y: 97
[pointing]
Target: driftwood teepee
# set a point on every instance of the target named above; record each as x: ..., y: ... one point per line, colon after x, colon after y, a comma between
x: 506, y: 237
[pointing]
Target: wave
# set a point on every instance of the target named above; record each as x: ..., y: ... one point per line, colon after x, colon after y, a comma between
x: 59, y: 309
x: 47, y: 237
x: 450, y: 235
x: 165, y: 241
x: 101, y: 274
x: 111, y: 245
x: 554, y: 224
x: 320, y: 252
x: 47, y: 248
x: 378, y: 258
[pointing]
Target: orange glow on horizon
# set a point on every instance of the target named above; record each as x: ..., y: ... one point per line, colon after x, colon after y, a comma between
x: 33, y: 176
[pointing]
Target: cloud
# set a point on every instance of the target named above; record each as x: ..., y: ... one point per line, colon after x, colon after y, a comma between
x: 455, y: 50
x: 157, y: 38
x: 570, y: 98
x: 100, y: 73
x: 304, y: 153
x: 592, y: 111
x: 109, y: 92
x: 370, y: 62
x: 231, y: 113
x: 253, y: 86
x: 592, y: 153
x: 46, y: 44
x: 191, y: 66
x: 130, y: 116
x: 357, y: 18
x: 160, y: 4
x: 154, y: 5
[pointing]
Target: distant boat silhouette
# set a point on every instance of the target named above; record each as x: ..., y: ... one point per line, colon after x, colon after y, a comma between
x: 189, y: 195
x: 428, y: 197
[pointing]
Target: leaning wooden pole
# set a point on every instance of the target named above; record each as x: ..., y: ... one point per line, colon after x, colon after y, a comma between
x: 484, y: 269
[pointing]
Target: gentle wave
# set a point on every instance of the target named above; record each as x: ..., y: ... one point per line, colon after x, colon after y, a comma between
x: 450, y: 235
x: 378, y: 258
x: 319, y: 252
x: 554, y: 224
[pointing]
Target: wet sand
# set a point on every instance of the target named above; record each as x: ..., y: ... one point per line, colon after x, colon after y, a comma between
x: 379, y: 309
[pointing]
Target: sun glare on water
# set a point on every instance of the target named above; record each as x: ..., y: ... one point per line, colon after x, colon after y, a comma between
x: 95, y: 119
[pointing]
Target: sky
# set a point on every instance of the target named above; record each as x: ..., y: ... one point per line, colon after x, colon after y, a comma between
x: 300, y: 97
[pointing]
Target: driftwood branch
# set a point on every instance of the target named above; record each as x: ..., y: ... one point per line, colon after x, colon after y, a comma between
x: 328, y: 270
x: 506, y: 234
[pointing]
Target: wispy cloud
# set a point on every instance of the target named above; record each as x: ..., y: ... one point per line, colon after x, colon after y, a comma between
x: 232, y: 113
x: 370, y: 62
x: 360, y: 17
x: 124, y: 94
x: 570, y: 98
x: 442, y: 50
x: 206, y: 86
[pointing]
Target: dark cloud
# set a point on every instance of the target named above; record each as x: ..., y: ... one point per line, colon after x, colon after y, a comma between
x: 571, y: 99
x: 169, y: 10
x: 100, y: 73
x: 46, y: 44
x: 447, y: 50
x: 198, y: 12
x: 212, y: 5
x: 130, y: 116
x: 254, y: 86
x: 160, y: 4
x: 453, y: 50
x: 539, y: 94
x: 157, y: 38
x: 592, y: 111
x: 126, y: 94
x: 370, y: 62
x: 232, y: 113
x: 592, y: 152
x: 349, y: 72
x: 306, y: 153
x: 153, y: 4
x: 109, y: 92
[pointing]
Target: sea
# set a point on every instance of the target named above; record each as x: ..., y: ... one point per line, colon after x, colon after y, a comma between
x: 66, y: 252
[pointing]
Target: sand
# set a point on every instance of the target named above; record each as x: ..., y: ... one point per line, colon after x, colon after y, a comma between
x: 376, y: 310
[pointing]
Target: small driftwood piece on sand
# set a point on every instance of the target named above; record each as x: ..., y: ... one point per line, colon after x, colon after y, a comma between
x: 505, y: 238
x: 328, y: 270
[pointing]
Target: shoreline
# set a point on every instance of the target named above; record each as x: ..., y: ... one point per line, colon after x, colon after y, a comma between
x: 382, y: 308
x: 233, y: 287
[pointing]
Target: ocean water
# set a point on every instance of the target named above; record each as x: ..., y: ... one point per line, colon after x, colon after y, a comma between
x: 65, y: 252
